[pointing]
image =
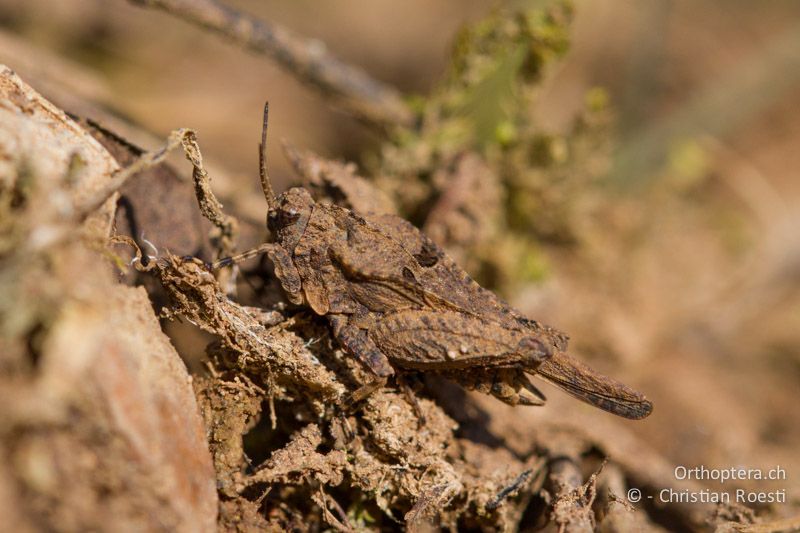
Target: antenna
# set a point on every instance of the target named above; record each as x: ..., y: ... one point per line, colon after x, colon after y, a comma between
x: 266, y: 184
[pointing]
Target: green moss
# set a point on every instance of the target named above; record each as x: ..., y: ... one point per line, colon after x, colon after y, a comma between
x: 532, y: 264
x: 687, y: 164
x: 597, y: 100
x: 483, y: 106
x: 359, y: 515
x: 496, y: 63
x: 505, y: 133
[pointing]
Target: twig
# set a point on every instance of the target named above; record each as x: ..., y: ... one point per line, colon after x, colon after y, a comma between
x: 338, y: 508
x: 508, y: 490
x: 147, y: 160
x: 370, y: 100
x: 210, y: 207
x: 429, y: 504
x: 572, y: 510
x: 784, y: 524
x: 321, y: 499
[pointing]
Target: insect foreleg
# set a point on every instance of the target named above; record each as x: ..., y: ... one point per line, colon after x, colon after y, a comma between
x: 285, y: 270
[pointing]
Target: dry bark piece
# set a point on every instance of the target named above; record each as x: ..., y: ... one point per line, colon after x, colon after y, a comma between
x: 121, y: 427
x: 573, y: 499
x: 268, y: 353
x: 53, y: 154
x: 229, y: 409
x: 339, y: 183
x: 142, y: 206
x: 299, y: 462
x: 94, y: 396
x: 466, y: 212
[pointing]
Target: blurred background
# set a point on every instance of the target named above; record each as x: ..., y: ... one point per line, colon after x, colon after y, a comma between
x: 682, y: 276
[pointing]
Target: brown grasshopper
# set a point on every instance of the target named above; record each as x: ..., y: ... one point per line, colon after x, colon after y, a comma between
x: 395, y: 300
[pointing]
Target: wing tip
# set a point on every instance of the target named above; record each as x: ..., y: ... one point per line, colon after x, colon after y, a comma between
x: 589, y: 386
x: 642, y: 410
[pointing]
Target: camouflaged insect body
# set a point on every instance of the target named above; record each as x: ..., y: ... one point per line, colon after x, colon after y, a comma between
x: 395, y: 300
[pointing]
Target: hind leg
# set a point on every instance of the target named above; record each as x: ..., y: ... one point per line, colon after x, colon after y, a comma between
x: 356, y: 342
x: 509, y: 385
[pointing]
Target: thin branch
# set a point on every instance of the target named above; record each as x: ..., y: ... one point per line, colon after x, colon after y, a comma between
x: 370, y: 100
x: 93, y: 201
x: 509, y: 490
x: 210, y: 207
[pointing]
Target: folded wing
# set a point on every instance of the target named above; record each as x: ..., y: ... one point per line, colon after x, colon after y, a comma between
x: 591, y: 387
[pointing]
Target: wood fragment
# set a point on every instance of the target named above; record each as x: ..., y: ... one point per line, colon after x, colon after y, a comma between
x: 572, y: 508
x: 509, y: 490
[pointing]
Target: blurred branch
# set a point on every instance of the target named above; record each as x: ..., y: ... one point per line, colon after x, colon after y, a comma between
x: 370, y: 100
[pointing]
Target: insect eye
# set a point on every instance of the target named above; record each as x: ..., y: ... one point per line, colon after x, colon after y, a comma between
x: 272, y: 220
